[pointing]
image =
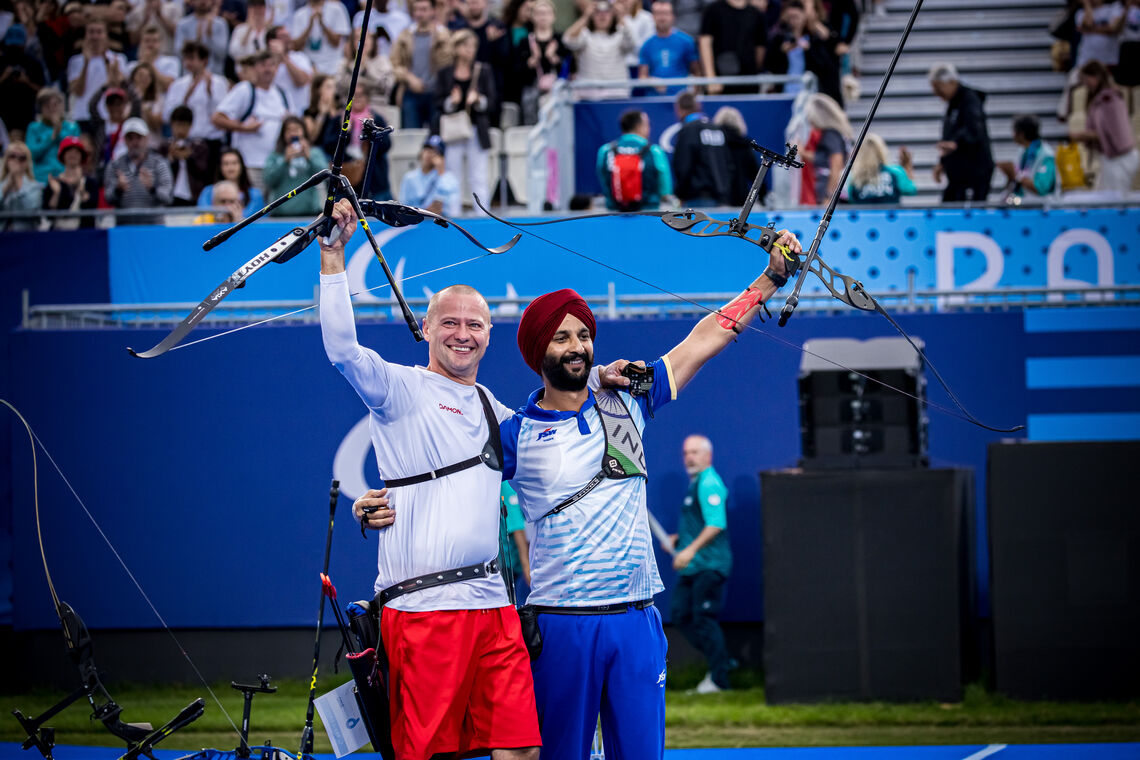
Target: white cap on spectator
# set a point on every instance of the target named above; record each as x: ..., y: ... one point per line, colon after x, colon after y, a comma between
x: 135, y: 126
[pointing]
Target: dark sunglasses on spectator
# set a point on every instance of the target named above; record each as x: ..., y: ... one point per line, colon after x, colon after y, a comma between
x: 18, y: 156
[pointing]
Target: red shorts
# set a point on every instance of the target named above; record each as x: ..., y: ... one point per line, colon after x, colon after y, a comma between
x: 459, y: 681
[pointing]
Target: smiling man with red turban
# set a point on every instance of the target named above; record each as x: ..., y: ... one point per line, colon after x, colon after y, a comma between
x: 543, y: 318
x: 577, y: 462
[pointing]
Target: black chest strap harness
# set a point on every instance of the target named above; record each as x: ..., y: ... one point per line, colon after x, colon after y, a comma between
x: 624, y: 454
x: 492, y: 456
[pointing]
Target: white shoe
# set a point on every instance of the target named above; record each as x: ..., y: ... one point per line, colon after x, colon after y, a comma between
x: 707, y: 686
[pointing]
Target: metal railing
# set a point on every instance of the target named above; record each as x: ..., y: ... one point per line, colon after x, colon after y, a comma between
x: 611, y: 305
x: 105, y: 218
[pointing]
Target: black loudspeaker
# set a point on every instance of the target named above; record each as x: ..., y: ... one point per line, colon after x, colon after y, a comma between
x: 1064, y: 523
x: 852, y: 419
x: 865, y: 584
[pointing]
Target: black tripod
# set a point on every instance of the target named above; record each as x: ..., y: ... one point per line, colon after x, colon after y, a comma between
x: 140, y: 738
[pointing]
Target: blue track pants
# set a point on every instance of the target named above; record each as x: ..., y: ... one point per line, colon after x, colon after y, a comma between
x: 612, y: 665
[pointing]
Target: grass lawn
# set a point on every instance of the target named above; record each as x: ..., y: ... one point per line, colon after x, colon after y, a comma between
x: 739, y: 718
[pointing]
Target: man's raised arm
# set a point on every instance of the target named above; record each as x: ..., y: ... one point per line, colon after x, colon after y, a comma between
x: 363, y: 368
x: 717, y: 330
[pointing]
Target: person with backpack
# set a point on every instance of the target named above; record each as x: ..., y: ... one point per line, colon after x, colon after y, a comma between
x: 253, y: 112
x: 634, y: 173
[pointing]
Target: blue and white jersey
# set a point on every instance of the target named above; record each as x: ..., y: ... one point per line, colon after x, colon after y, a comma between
x: 598, y: 550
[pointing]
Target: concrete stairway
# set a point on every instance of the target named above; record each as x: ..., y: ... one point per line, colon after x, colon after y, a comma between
x: 1000, y: 47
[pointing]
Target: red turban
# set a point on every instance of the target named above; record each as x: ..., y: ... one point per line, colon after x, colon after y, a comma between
x: 541, y: 320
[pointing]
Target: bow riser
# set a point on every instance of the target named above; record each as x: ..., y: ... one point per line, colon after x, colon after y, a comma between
x: 853, y: 294
x: 697, y: 224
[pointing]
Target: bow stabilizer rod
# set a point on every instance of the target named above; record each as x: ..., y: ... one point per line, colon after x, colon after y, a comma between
x: 767, y: 159
x: 793, y: 298
x: 306, y: 749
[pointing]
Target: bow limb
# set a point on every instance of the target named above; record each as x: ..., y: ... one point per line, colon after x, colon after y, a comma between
x: 850, y: 291
x: 296, y: 240
x: 445, y: 222
x: 396, y: 214
x: 284, y: 248
x: 687, y: 222
x: 140, y: 739
x: 561, y: 219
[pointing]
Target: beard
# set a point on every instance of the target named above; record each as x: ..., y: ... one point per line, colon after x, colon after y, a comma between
x: 555, y: 370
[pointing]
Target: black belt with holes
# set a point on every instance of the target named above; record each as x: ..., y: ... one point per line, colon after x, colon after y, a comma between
x: 431, y: 580
x: 605, y: 609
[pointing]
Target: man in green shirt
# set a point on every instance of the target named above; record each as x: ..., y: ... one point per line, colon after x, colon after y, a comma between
x: 703, y: 562
x: 514, y: 548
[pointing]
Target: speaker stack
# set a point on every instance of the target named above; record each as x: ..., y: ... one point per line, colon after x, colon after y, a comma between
x: 849, y: 418
x: 864, y: 583
x: 1065, y: 556
x: 866, y: 549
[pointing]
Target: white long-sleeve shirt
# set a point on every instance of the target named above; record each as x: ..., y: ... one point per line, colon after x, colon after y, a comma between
x: 420, y: 421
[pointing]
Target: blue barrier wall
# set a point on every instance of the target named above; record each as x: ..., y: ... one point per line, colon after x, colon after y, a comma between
x: 1067, y: 374
x: 60, y: 268
x: 208, y: 468
x: 952, y: 249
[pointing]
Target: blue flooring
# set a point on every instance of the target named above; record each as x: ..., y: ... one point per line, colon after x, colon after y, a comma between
x: 12, y: 751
